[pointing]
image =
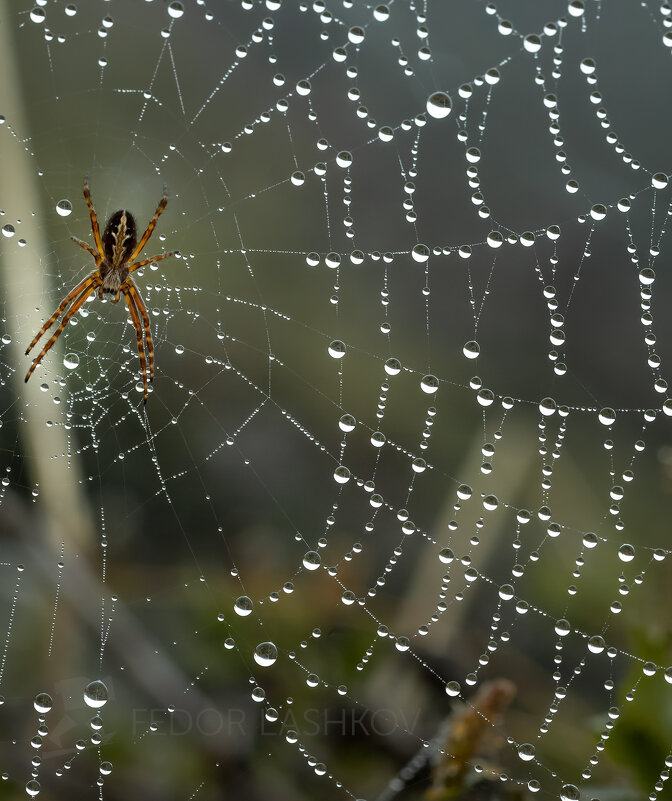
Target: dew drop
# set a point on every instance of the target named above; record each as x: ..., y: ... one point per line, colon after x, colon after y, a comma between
x: 347, y: 423
x: 607, y: 416
x: 337, y: 349
x: 659, y: 180
x: 485, y: 397
x: 547, y: 406
x: 393, y: 366
x: 341, y: 474
x: 439, y: 105
x: 312, y: 560
x: 626, y: 553
x: 175, y: 10
x: 344, y: 158
x: 265, y: 654
x: 647, y: 276
x: 429, y: 384
x: 71, y: 361
x: 381, y: 13
x: 596, y: 644
x: 570, y: 792
x: 420, y: 253
x: 386, y: 134
x: 532, y: 43
x: 378, y: 439
x: 526, y: 751
x: 95, y: 694
x: 243, y: 605
x: 42, y: 703
x: 64, y: 208
x: 495, y: 239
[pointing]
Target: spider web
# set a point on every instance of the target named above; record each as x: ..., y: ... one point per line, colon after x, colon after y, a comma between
x: 394, y: 521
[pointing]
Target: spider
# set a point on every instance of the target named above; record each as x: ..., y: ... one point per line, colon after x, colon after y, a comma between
x: 115, y: 256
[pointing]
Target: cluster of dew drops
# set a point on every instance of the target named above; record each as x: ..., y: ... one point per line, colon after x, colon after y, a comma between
x: 95, y: 696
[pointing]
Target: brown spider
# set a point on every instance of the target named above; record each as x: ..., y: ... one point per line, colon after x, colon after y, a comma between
x: 115, y: 256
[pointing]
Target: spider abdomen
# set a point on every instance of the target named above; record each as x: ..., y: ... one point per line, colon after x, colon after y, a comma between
x: 119, y: 240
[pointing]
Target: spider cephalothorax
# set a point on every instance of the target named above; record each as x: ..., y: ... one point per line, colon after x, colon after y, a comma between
x: 115, y: 255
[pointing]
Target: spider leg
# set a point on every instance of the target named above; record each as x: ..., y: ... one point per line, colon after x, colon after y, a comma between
x: 81, y: 287
x: 138, y: 333
x: 95, y: 255
x: 142, y: 263
x: 140, y: 304
x: 94, y: 220
x: 151, y: 226
x: 90, y: 287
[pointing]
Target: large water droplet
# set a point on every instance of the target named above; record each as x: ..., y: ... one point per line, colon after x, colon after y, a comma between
x: 337, y: 349
x: 347, y: 423
x: 43, y: 703
x: 659, y: 180
x: 420, y: 253
x: 626, y: 553
x: 71, y: 361
x: 64, y: 208
x: 547, y: 406
x: 471, y: 349
x: 243, y: 605
x: 429, y: 384
x: 95, y: 694
x: 175, y: 10
x: 312, y: 560
x: 607, y: 416
x: 526, y: 751
x: 570, y: 792
x: 596, y: 644
x: 393, y: 366
x: 265, y: 654
x: 381, y: 13
x: 341, y: 474
x: 439, y: 105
